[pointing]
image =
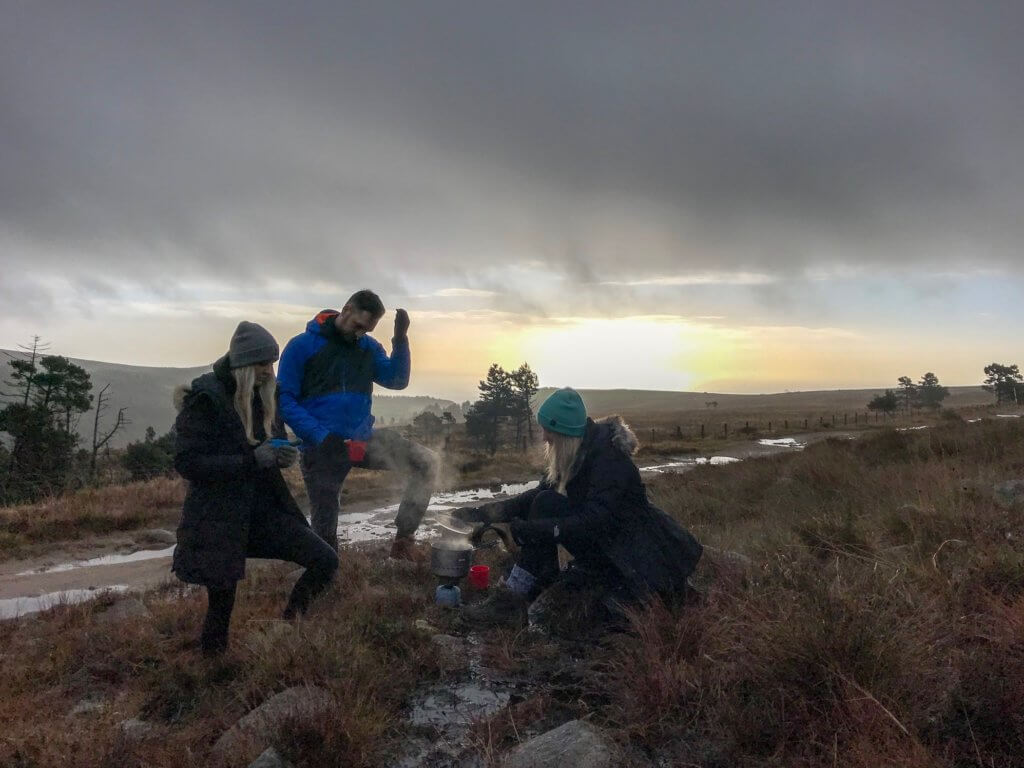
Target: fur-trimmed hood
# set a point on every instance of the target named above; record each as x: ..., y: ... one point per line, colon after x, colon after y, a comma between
x: 622, y: 436
x: 180, y: 393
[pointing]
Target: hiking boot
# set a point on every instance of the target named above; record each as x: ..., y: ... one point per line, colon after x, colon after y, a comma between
x: 502, y: 608
x: 404, y: 548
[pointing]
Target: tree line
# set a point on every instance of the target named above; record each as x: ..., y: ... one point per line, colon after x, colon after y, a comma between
x: 46, y: 397
x: 1004, y: 381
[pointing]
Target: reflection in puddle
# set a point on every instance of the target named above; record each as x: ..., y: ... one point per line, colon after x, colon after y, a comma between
x: 21, y: 606
x: 782, y: 442
x: 134, y: 557
x: 685, y: 464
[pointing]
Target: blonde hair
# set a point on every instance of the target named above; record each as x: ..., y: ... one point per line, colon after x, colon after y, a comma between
x: 560, y: 454
x: 245, y: 385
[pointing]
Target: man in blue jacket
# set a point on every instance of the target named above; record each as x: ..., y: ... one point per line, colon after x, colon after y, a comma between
x: 325, y: 380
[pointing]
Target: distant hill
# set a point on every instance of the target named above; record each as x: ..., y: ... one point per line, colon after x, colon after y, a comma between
x: 632, y: 401
x: 146, y: 392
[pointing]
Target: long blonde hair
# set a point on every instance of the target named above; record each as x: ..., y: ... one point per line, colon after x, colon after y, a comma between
x: 560, y: 454
x: 245, y: 384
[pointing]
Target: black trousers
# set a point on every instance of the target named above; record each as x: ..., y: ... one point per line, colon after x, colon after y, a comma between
x: 541, y: 560
x: 275, y: 537
x: 325, y: 473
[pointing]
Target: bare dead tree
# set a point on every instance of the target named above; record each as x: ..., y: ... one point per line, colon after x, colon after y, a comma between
x: 97, y: 441
x: 24, y: 370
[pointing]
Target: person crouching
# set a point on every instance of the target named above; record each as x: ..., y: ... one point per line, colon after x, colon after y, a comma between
x: 592, y: 502
x: 238, y: 504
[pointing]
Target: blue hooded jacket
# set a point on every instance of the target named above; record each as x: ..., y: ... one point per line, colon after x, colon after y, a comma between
x: 326, y: 383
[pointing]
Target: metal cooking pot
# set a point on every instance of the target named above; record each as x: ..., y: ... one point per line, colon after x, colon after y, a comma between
x: 451, y: 559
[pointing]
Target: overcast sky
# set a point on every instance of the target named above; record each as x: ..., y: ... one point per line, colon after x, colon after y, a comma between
x: 739, y: 196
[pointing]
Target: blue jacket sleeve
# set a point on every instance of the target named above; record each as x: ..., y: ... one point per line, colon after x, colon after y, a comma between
x: 289, y: 388
x: 392, y: 372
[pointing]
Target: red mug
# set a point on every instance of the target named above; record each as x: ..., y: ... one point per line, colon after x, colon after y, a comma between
x: 356, y: 450
x: 479, y: 576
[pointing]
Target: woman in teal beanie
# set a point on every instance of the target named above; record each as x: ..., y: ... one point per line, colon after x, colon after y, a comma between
x: 592, y: 502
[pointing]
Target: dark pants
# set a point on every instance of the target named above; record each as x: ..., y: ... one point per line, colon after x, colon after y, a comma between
x: 278, y: 537
x: 541, y: 560
x: 325, y: 473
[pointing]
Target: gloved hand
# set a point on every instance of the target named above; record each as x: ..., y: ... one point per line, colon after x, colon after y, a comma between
x: 467, y: 515
x: 401, y: 324
x: 286, y: 455
x: 265, y: 455
x: 497, y: 530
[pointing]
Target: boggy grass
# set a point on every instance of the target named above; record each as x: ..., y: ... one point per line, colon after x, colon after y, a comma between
x: 358, y: 642
x: 880, y: 620
x: 89, y: 511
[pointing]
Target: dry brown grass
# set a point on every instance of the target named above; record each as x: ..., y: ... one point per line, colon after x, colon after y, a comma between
x: 88, y: 512
x: 358, y: 642
x: 879, y: 623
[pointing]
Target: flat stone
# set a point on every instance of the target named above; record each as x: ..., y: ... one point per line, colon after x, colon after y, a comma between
x: 134, y: 729
x: 122, y: 610
x: 423, y: 625
x: 270, y: 759
x: 263, y: 723
x: 572, y: 743
x: 86, y: 707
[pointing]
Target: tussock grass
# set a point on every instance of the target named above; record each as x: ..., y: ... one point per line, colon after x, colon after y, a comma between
x: 89, y: 511
x: 878, y: 622
x: 358, y: 642
x: 864, y: 606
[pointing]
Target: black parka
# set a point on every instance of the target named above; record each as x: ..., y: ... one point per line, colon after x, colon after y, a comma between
x: 610, y: 514
x: 226, y: 488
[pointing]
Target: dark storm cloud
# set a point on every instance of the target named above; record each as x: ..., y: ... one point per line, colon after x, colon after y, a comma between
x: 388, y: 142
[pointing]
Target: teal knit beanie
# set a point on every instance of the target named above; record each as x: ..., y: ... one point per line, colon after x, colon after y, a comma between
x: 564, y: 413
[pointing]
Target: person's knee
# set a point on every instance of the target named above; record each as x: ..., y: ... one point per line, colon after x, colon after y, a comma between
x: 327, y: 561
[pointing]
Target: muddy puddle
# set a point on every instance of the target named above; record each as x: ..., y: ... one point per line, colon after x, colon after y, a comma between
x: 22, y: 606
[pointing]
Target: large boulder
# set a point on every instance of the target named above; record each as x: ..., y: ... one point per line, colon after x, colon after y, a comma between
x: 262, y: 725
x: 572, y: 743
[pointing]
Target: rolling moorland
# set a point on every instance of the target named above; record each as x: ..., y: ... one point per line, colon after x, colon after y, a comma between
x: 863, y: 604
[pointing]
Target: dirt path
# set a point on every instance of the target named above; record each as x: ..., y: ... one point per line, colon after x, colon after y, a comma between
x: 131, y: 561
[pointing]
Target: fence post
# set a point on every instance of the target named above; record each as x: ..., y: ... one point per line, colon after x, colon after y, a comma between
x: 769, y: 426
x: 805, y: 423
x: 652, y: 435
x: 833, y: 419
x: 725, y: 426
x: 702, y: 431
x: 845, y: 422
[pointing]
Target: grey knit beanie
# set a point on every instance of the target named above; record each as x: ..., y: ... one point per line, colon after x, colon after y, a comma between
x: 251, y: 344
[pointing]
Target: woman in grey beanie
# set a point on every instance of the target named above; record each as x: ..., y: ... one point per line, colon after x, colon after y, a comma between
x: 238, y: 504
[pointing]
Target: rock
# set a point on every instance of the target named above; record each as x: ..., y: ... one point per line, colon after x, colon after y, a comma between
x: 572, y: 743
x: 86, y: 707
x: 1009, y: 495
x: 270, y: 759
x: 157, y: 536
x: 425, y: 626
x: 262, y: 724
x: 122, y: 610
x: 134, y: 729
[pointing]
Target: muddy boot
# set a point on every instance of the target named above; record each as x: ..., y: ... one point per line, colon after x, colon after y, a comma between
x: 404, y: 548
x: 502, y: 608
